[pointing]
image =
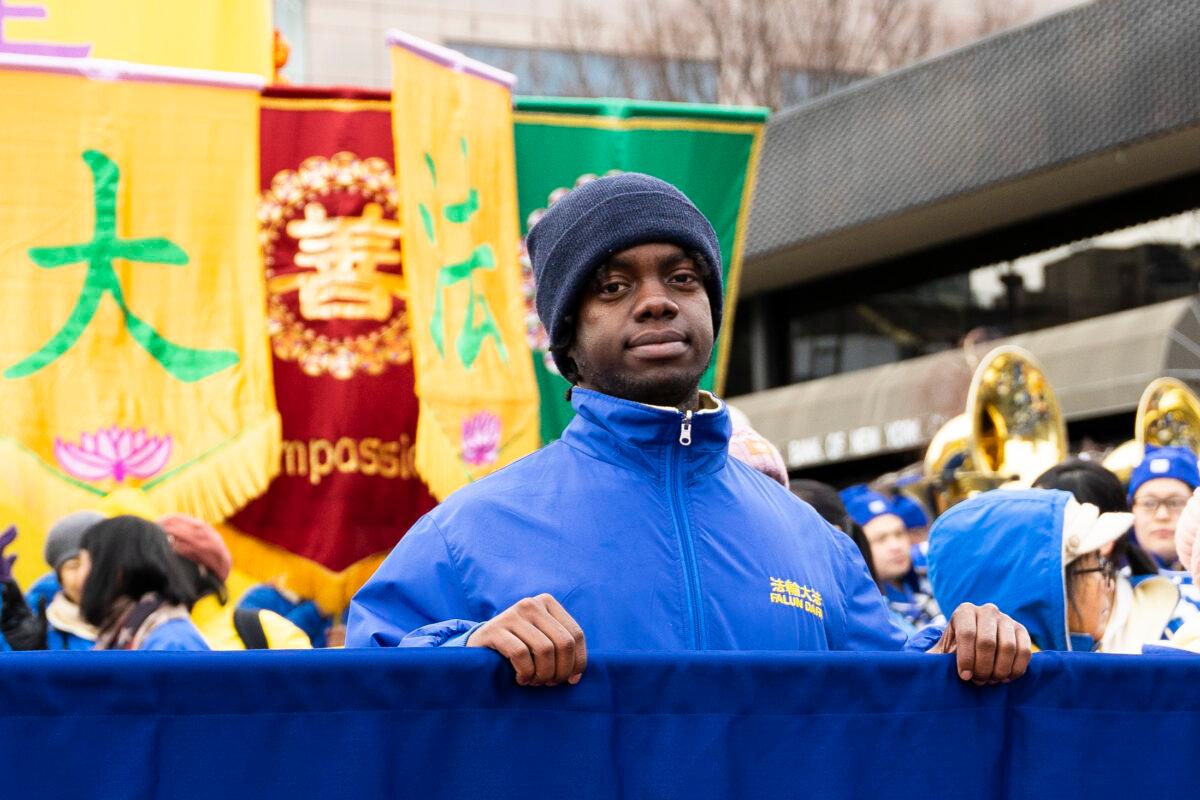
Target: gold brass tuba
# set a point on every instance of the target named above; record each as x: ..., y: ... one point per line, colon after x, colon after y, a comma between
x: 1012, y: 430
x: 1167, y: 415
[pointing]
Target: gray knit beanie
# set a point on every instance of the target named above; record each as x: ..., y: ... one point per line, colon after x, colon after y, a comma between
x: 595, y: 221
x: 65, y: 536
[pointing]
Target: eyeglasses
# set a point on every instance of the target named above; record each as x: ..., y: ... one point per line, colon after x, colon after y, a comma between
x: 1151, y: 504
x: 1106, y: 568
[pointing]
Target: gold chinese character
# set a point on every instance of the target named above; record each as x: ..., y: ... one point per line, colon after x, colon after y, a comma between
x: 816, y: 597
x: 344, y: 252
x: 793, y: 588
x: 778, y: 586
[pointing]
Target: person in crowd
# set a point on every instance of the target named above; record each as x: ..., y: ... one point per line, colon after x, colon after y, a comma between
x: 65, y: 627
x: 1147, y: 607
x: 916, y: 524
x: 1159, y: 488
x: 916, y: 521
x: 826, y: 501
x: 205, y: 562
x: 1036, y: 551
x: 134, y: 591
x: 48, y: 617
x: 754, y: 450
x: 909, y: 595
x: 1091, y: 483
x: 637, y: 520
x: 304, y: 614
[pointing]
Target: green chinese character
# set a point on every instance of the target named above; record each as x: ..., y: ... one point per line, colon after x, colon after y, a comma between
x: 472, y: 336
x: 183, y: 363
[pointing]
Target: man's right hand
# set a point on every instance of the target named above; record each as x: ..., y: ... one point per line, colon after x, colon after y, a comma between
x: 544, y: 644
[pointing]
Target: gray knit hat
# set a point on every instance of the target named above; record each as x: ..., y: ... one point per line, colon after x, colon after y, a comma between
x: 65, y: 536
x: 601, y: 218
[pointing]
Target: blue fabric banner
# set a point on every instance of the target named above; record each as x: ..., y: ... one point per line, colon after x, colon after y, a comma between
x: 367, y: 724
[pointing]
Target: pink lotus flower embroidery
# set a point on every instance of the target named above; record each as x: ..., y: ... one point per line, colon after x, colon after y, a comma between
x: 481, y: 439
x: 113, y: 452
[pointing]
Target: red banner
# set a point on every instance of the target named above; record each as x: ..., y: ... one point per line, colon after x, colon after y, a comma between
x: 347, y: 490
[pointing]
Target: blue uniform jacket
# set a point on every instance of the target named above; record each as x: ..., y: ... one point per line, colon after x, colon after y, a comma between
x: 651, y: 541
x: 176, y: 634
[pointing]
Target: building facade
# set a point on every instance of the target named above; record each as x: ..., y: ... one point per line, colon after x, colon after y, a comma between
x: 1039, y: 187
x: 624, y: 48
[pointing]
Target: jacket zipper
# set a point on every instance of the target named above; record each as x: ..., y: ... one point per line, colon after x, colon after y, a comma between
x: 684, y: 532
x: 685, y: 429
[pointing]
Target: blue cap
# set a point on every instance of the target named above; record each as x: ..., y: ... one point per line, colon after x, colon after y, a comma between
x: 864, y: 505
x: 910, y: 511
x: 1165, y: 462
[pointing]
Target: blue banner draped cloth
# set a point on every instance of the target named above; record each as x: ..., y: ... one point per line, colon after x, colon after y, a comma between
x: 721, y: 725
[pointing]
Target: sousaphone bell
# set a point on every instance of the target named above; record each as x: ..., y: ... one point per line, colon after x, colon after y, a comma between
x: 1168, y: 415
x: 1012, y: 431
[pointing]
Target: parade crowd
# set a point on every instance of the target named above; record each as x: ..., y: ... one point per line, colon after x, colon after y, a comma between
x: 662, y: 521
x: 132, y: 583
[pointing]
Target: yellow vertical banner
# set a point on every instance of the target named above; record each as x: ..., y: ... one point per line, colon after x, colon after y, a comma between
x: 456, y: 166
x: 224, y: 35
x: 135, y: 358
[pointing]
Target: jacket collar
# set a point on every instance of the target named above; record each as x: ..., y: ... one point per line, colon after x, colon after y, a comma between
x: 641, y: 437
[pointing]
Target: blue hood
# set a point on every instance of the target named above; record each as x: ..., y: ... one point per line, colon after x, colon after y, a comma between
x: 1005, y: 547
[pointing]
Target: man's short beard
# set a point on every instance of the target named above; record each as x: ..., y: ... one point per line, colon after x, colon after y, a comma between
x: 675, y: 390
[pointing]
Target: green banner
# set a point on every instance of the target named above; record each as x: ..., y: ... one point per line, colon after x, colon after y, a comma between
x: 709, y: 152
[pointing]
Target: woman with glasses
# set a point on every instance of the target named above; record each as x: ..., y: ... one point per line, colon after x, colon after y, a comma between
x: 1159, y: 488
x: 1187, y: 542
x: 1036, y: 553
x: 1147, y: 608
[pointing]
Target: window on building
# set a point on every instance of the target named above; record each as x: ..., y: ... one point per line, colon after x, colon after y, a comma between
x: 1133, y: 267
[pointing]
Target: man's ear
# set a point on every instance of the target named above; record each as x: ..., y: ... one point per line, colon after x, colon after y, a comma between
x: 569, y: 370
x: 565, y: 352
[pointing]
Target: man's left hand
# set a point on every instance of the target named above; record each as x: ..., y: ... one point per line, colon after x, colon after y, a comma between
x: 991, y: 646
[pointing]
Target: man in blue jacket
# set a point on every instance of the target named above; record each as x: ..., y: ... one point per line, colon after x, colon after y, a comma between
x: 636, y: 527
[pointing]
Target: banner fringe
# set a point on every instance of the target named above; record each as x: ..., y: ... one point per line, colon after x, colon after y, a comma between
x: 227, y: 478
x: 34, y: 494
x: 269, y: 563
x: 439, y: 462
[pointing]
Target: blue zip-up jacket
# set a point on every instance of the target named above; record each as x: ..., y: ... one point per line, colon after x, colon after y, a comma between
x: 650, y: 536
x: 1006, y: 547
x: 175, y: 634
